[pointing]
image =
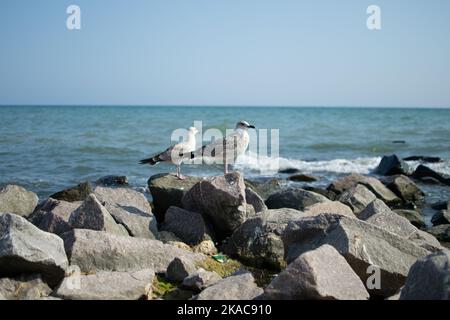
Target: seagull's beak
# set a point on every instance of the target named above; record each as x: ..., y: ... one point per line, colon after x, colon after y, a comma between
x: 251, y: 127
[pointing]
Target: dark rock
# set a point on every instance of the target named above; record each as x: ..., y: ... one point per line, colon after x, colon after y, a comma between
x: 303, y: 178
x: 292, y: 198
x: 412, y: 216
x: 405, y: 188
x: 179, y: 269
x: 221, y: 200
x: 441, y: 205
x: 441, y: 232
x: 357, y: 198
x: 289, y: 171
x: 255, y: 200
x: 24, y: 287
x: 77, y: 193
x: 167, y: 190
x: 428, y: 278
x: 391, y: 165
x: 318, y: 274
x: 26, y: 249
x: 17, y: 200
x: 265, y: 188
x: 112, y: 181
x: 324, y: 192
x: 441, y: 217
x: 424, y: 172
x: 201, y: 279
x: 186, y: 225
x: 424, y: 159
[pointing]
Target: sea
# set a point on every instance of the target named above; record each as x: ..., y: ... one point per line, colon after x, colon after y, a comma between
x: 48, y: 148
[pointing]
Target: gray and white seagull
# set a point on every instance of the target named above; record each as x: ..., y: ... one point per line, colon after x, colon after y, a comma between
x: 227, y: 149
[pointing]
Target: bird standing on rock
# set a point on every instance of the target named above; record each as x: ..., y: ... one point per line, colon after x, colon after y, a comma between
x: 176, y: 153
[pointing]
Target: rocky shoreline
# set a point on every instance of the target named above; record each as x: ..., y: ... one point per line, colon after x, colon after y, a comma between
x: 225, y: 237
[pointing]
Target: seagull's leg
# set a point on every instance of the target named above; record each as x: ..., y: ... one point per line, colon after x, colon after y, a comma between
x: 179, y: 175
x: 225, y: 166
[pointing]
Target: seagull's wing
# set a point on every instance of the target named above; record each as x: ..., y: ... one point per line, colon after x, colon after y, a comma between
x: 227, y: 147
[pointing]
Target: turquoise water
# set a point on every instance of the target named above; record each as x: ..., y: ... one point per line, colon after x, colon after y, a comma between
x: 48, y: 148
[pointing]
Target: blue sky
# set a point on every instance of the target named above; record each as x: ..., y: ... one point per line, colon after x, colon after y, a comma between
x: 226, y: 52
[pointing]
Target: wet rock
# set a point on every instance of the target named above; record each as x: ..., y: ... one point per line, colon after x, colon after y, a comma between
x: 428, y: 278
x: 391, y: 165
x: 422, y: 172
x: 96, y: 250
x: 255, y: 200
x: 201, y: 279
x: 17, y: 200
x: 24, y: 287
x: 179, y: 269
x: 289, y: 171
x: 301, y: 177
x: 297, y: 199
x: 112, y: 181
x: 221, y: 200
x: 236, y: 287
x: 357, y: 198
x: 405, y: 188
x: 318, y: 274
x: 26, y: 249
x: 423, y: 158
x: 167, y: 190
x: 441, y: 217
x: 441, y: 232
x: 77, y: 193
x: 412, y: 216
x: 105, y: 285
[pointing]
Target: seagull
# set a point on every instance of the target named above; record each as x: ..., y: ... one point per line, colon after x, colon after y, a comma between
x: 176, y: 153
x: 229, y: 148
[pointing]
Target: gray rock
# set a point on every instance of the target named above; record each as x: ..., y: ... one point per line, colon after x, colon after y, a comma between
x: 26, y: 249
x: 441, y: 232
x: 236, y: 287
x: 357, y: 198
x: 428, y: 278
x: 405, y: 188
x: 334, y: 207
x: 345, y: 183
x: 179, y: 269
x: 255, y: 200
x: 96, y: 250
x: 258, y: 241
x: 185, y: 225
x: 112, y: 181
x: 201, y: 279
x: 297, y: 199
x: 54, y: 215
x: 413, y: 216
x: 441, y: 217
x: 131, y: 209
x: 362, y: 244
x: 93, y: 215
x: 167, y: 190
x: 265, y: 188
x: 24, y: 287
x: 105, y: 285
x: 166, y: 236
x: 422, y: 172
x: 301, y: 177
x: 221, y: 200
x: 324, y: 192
x: 318, y: 274
x: 17, y: 200
x: 391, y: 165
x: 379, y: 214
x: 77, y: 193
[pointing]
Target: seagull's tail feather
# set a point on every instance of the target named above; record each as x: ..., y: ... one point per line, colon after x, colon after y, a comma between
x: 151, y: 161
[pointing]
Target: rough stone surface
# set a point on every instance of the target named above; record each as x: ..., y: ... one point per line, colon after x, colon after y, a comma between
x: 391, y: 165
x: 265, y: 188
x: 112, y: 181
x: 236, y: 287
x: 301, y: 177
x: 188, y: 226
x: 318, y: 274
x: 201, y: 279
x: 206, y: 247
x: 255, y: 200
x: 361, y: 243
x: 17, y: 200
x: 441, y: 217
x: 413, y: 216
x: 26, y: 249
x: 179, y: 269
x: 167, y: 190
x: 77, y: 193
x: 357, y: 198
x: 221, y: 200
x: 428, y: 278
x: 24, y: 287
x: 441, y: 232
x: 422, y: 172
x: 405, y: 188
x: 106, y: 285
x: 335, y: 207
x: 298, y: 199
x: 97, y: 250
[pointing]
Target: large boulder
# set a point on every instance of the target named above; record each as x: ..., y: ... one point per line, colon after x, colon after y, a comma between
x: 265, y: 187
x: 235, y: 287
x: 404, y: 188
x: 77, y: 193
x: 380, y: 214
x: 17, y: 200
x: 391, y: 165
x: 96, y: 250
x: 412, y: 216
x: 297, y: 199
x: 441, y: 232
x: 201, y: 279
x: 129, y: 208
x: 53, y: 215
x: 357, y: 198
x: 258, y: 241
x: 362, y: 244
x: 106, y: 285
x: 428, y: 278
x: 93, y: 215
x: 335, y: 207
x: 188, y: 226
x: 221, y: 200
x: 301, y: 177
x: 441, y: 217
x: 167, y: 190
x: 179, y: 269
x: 26, y: 249
x: 318, y: 274
x: 24, y: 287
x: 255, y: 200
x: 423, y: 172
